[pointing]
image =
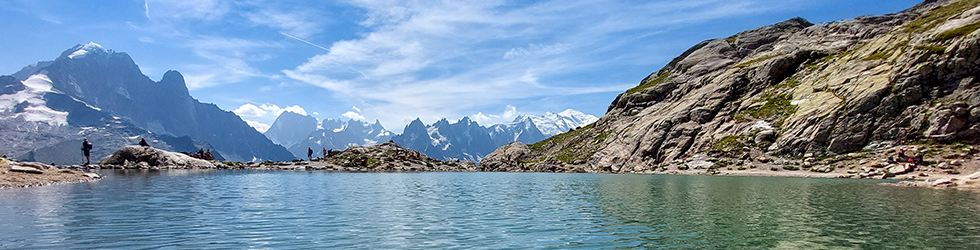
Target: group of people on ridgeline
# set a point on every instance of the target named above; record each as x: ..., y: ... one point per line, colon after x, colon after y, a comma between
x: 309, y: 153
x: 914, y: 161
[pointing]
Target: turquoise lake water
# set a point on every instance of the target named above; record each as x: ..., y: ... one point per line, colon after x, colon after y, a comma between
x: 288, y: 210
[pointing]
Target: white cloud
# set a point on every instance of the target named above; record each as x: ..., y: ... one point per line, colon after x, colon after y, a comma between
x: 251, y: 110
x: 353, y: 115
x: 258, y: 126
x: 508, y: 115
x: 295, y: 109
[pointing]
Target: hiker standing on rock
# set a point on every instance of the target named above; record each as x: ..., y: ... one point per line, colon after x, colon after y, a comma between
x: 324, y: 153
x: 86, y: 148
x: 143, y: 142
x: 309, y: 153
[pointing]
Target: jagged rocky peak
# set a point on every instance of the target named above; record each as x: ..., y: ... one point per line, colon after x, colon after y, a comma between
x: 794, y: 89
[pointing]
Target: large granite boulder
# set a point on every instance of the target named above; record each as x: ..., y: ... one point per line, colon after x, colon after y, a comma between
x: 149, y: 157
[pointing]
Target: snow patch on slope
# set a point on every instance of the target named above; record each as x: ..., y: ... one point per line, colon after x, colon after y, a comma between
x: 29, y: 103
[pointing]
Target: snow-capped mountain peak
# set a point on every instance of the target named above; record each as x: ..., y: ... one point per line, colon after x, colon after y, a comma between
x: 90, y: 48
x: 556, y: 123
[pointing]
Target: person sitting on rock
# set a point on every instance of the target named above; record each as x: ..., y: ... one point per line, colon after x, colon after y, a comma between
x: 143, y: 142
x: 901, y: 155
x: 207, y: 155
x: 200, y: 154
x: 309, y: 154
x: 919, y: 158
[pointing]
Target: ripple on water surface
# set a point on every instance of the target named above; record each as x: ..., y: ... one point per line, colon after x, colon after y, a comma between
x: 250, y: 209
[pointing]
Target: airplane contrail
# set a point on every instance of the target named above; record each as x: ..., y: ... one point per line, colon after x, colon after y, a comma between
x: 305, y: 41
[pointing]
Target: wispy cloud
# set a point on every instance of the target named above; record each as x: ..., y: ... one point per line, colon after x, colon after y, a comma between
x: 180, y: 10
x: 301, y: 23
x: 228, y: 61
x: 536, y: 50
x: 437, y: 58
x: 445, y: 58
x: 304, y: 41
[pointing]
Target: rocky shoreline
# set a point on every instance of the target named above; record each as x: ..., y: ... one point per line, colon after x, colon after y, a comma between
x: 385, y: 157
x: 31, y: 174
x: 944, y: 166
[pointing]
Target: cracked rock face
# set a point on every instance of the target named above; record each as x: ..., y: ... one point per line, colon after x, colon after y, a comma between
x: 794, y: 89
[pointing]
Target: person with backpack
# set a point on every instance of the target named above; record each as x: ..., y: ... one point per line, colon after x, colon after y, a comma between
x: 86, y: 149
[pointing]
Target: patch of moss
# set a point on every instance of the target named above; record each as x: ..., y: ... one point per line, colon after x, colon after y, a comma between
x: 603, y: 135
x: 728, y: 146
x: 660, y: 78
x: 957, y: 32
x: 939, y: 15
x: 731, y: 39
x: 750, y: 62
x: 878, y: 56
x: 788, y: 83
x: 740, y: 118
x: 775, y: 107
x: 932, y: 49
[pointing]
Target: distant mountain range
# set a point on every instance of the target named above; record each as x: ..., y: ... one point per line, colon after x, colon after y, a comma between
x: 464, y: 139
x: 47, y: 108
x: 299, y: 133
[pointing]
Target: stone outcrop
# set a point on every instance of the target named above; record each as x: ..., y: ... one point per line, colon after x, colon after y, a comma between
x: 792, y: 90
x: 153, y: 158
x: 507, y: 158
x: 384, y: 157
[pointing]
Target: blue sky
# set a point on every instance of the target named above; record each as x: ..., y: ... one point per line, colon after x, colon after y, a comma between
x: 396, y: 60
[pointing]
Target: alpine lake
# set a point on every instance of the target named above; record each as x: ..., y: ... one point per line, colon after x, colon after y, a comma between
x: 177, y: 209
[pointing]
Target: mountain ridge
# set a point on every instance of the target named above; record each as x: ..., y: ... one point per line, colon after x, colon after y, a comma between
x: 789, y: 90
x: 110, y: 83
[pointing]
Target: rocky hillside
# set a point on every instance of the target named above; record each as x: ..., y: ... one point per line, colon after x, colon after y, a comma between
x: 791, y: 90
